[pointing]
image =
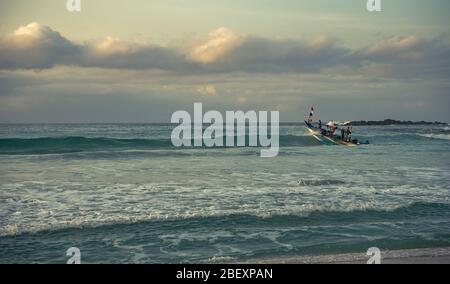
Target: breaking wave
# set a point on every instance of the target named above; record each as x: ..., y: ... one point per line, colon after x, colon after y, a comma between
x: 436, y: 136
x: 66, y: 145
x: 57, y: 145
x: 313, y: 217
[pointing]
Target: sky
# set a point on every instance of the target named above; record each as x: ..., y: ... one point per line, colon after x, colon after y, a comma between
x: 141, y: 60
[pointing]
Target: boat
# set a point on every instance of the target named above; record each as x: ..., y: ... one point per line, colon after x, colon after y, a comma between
x: 314, y: 131
x: 321, y: 136
x: 327, y: 137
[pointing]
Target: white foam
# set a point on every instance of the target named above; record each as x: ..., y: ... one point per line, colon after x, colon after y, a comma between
x: 56, y: 218
x: 436, y: 136
x: 95, y: 193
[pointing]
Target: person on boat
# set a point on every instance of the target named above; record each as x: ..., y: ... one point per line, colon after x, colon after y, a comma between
x: 332, y: 131
x: 320, y: 124
x: 349, y: 134
x: 343, y: 134
x: 311, y: 114
x: 332, y: 128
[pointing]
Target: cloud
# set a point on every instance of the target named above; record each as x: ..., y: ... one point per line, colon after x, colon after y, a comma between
x: 406, y: 49
x: 77, y: 94
x: 209, y: 90
x: 218, y: 44
x: 34, y: 46
x: 262, y: 55
x: 410, y: 56
x: 242, y: 100
x: 115, y: 53
x: 225, y: 51
x: 37, y: 46
x: 393, y: 46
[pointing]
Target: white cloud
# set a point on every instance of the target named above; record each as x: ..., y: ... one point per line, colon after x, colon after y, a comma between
x: 219, y: 43
x: 241, y: 100
x: 111, y: 46
x: 34, y: 46
x: 393, y: 45
x: 209, y: 90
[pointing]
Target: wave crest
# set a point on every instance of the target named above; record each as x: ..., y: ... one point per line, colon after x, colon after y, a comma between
x: 60, y: 145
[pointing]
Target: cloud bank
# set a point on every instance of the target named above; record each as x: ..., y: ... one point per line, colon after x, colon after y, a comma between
x: 36, y: 46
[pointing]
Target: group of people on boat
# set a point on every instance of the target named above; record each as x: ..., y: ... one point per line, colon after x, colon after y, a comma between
x: 331, y: 127
x: 346, y: 132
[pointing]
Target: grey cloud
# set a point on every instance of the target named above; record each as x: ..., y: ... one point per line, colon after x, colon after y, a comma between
x: 37, y: 46
x: 266, y: 55
x: 142, y: 57
x: 410, y: 56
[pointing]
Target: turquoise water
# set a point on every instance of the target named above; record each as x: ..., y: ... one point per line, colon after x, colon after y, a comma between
x: 122, y: 193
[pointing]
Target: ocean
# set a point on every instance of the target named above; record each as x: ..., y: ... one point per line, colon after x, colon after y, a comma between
x: 121, y: 193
